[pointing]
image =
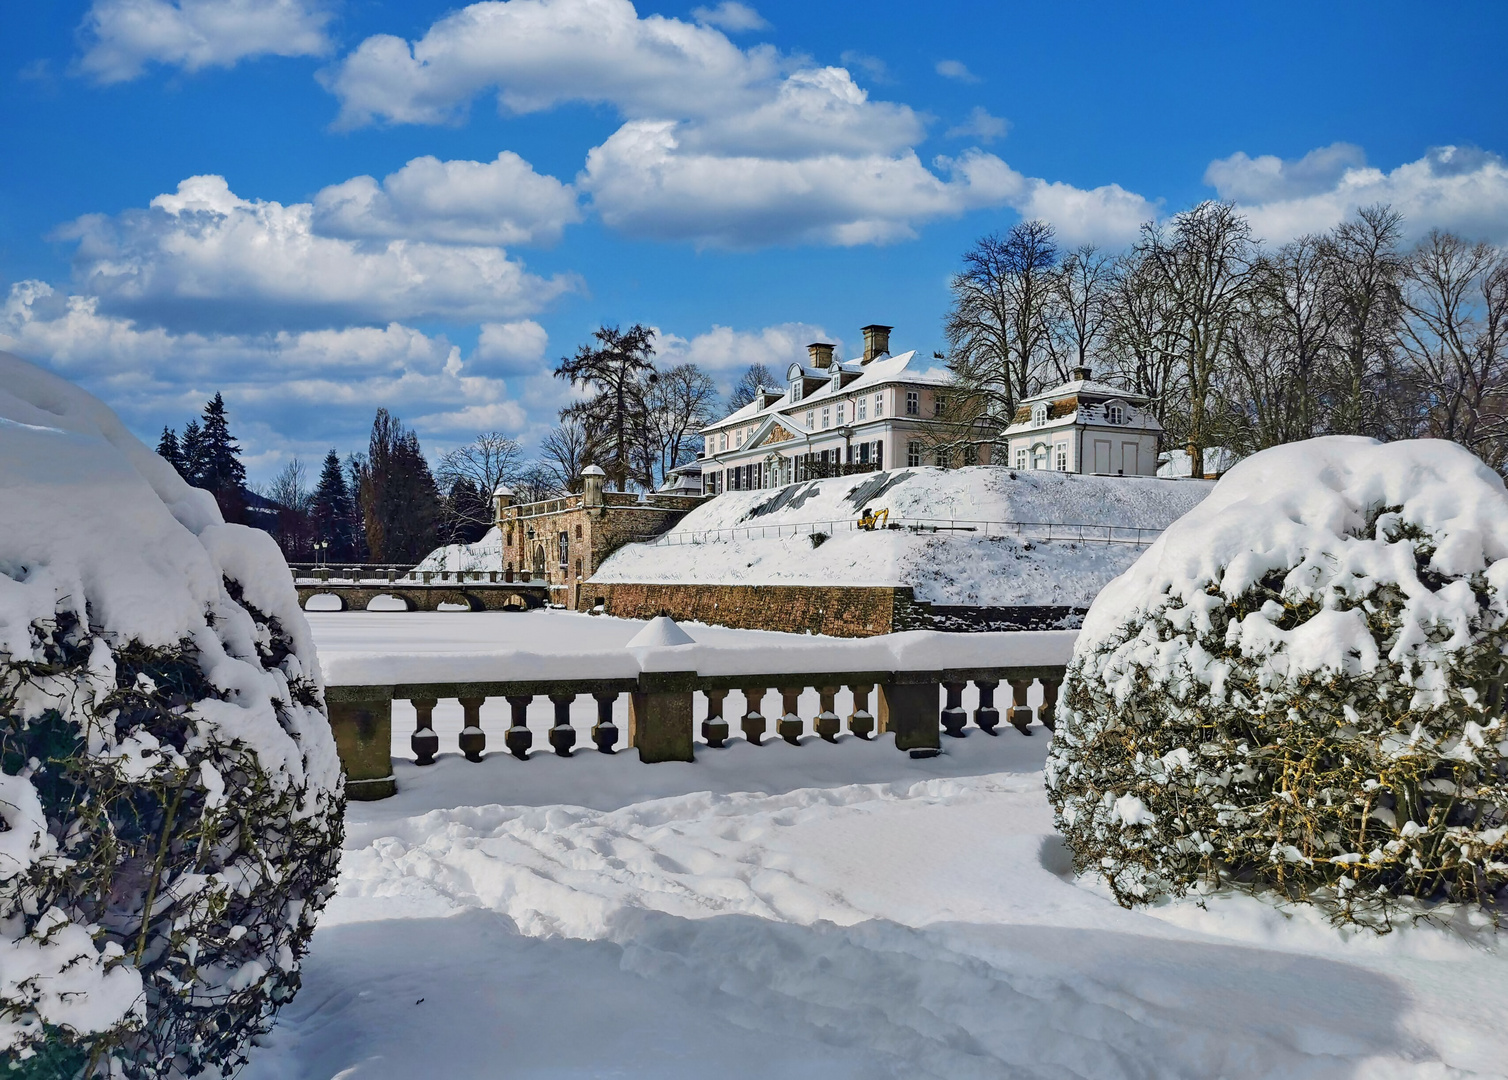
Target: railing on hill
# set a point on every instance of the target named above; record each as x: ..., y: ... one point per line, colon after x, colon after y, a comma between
x: 1020, y: 530
x: 661, y: 707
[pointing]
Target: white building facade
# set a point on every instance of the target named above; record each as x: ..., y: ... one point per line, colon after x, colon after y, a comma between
x: 872, y: 412
x: 1084, y: 426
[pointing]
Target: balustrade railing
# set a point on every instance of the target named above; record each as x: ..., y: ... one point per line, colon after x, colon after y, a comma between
x: 1020, y: 530
x: 917, y: 707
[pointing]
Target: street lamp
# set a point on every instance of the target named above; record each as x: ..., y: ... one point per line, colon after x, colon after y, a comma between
x: 320, y: 547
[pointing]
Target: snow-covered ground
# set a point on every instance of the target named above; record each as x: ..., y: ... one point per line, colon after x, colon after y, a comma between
x: 763, y: 537
x: 827, y: 911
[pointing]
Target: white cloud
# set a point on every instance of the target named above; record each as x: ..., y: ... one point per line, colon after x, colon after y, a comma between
x: 511, y: 348
x: 873, y: 66
x: 460, y: 202
x: 725, y: 353
x: 1450, y: 187
x: 730, y: 15
x: 125, y: 35
x: 1108, y: 215
x: 956, y: 70
x: 539, y: 53
x: 205, y: 258
x: 980, y: 125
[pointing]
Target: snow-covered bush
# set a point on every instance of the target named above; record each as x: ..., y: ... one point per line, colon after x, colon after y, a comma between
x: 1299, y: 688
x: 169, y: 785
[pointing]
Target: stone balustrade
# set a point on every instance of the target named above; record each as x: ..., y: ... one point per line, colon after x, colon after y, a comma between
x: 662, y: 710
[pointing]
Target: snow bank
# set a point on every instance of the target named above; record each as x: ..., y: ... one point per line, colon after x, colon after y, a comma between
x: 737, y: 538
x: 1326, y: 631
x: 134, y: 619
x: 486, y: 554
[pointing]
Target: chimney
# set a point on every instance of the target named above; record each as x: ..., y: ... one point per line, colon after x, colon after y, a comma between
x: 821, y: 354
x: 876, y: 341
x: 1080, y: 374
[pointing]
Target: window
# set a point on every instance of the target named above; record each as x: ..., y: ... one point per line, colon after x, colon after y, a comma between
x: 565, y: 550
x: 578, y: 532
x: 939, y: 404
x: 863, y: 453
x: 913, y: 403
x: 1039, y: 414
x: 841, y: 407
x: 795, y: 391
x: 1021, y: 457
x: 826, y: 417
x: 879, y: 404
x: 879, y: 455
x: 913, y: 454
x: 740, y: 438
x: 940, y: 458
x: 1115, y: 414
x: 1039, y: 456
x: 811, y: 420
x: 971, y: 455
x: 722, y: 440
x: 861, y: 410
x: 1062, y: 457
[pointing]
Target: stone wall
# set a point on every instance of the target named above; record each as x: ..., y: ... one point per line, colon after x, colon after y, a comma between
x: 840, y: 611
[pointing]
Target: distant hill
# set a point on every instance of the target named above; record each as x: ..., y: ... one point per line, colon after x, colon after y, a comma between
x: 721, y: 543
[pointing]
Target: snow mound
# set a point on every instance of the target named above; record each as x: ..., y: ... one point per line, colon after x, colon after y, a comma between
x: 763, y: 537
x: 483, y: 555
x: 1298, y: 686
x: 660, y: 633
x: 160, y: 706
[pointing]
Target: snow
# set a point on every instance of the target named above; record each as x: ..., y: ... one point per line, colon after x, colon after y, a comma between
x: 763, y: 537
x: 366, y: 648
x: 832, y: 911
x: 95, y: 524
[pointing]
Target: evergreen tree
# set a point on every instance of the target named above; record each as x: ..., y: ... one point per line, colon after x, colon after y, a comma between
x: 169, y: 450
x: 221, y: 472
x: 333, y: 509
x: 400, y: 502
x: 191, y: 453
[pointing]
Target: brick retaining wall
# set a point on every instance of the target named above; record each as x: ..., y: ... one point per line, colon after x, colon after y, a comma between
x: 841, y: 611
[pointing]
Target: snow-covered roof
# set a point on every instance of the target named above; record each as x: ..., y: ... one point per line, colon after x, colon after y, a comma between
x: 1085, y: 388
x: 886, y: 369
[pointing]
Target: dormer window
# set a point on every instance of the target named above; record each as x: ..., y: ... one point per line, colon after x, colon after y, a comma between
x: 1039, y: 414
x: 795, y: 390
x: 1115, y: 413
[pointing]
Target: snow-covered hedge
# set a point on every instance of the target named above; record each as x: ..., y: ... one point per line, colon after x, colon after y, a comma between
x: 169, y: 785
x: 1299, y: 688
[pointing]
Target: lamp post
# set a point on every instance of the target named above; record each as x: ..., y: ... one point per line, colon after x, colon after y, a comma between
x: 320, y: 547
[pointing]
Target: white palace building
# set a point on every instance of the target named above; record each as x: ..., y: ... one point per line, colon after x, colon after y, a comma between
x: 875, y: 412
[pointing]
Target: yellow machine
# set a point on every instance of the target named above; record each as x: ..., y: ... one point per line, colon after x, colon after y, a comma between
x: 869, y: 521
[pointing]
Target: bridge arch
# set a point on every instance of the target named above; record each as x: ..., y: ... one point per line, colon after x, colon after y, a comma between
x: 325, y: 601
x: 391, y: 601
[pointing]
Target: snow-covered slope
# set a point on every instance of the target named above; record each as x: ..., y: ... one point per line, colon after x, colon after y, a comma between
x: 485, y: 554
x: 763, y: 537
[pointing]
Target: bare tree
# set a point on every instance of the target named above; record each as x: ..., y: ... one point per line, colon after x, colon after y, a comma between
x: 618, y: 368
x: 290, y: 488
x: 1141, y: 333
x: 1365, y: 268
x: 681, y: 402
x: 487, y: 461
x: 1292, y: 303
x: 755, y: 376
x: 536, y: 482
x: 1455, y: 336
x: 1203, y: 265
x: 564, y: 453
x: 1084, y: 284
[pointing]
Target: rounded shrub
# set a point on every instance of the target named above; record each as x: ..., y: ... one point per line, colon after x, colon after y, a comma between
x: 1299, y: 689
x: 169, y: 785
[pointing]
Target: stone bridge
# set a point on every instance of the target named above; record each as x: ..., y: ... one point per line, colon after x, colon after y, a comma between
x: 419, y: 596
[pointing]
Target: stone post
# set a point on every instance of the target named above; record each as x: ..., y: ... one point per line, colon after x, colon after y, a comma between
x: 1048, y: 714
x: 754, y: 723
x: 473, y: 738
x: 424, y: 740
x: 987, y: 716
x: 519, y: 738
x: 715, y: 728
x: 1021, y: 713
x: 361, y: 718
x: 827, y: 723
x: 790, y: 727
x: 953, y: 715
x: 562, y: 735
x: 861, y: 720
x: 909, y: 709
x: 659, y: 716
x: 604, y: 731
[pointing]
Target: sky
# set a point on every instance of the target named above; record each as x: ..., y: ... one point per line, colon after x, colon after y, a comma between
x: 322, y: 207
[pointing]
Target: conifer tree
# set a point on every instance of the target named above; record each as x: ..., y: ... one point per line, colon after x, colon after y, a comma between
x: 400, y: 502
x: 191, y: 451
x: 169, y: 450
x: 333, y: 509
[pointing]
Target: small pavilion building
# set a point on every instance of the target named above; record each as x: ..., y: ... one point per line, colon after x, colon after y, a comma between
x: 1084, y: 426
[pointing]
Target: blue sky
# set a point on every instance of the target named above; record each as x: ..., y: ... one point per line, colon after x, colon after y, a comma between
x: 319, y: 207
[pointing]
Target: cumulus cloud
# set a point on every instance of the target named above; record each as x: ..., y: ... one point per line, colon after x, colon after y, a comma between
x: 1451, y: 187
x: 731, y: 16
x: 205, y: 258
x: 511, y: 348
x: 956, y: 70
x: 460, y: 202
x: 281, y: 386
x: 980, y: 125
x: 124, y: 36
x: 725, y: 353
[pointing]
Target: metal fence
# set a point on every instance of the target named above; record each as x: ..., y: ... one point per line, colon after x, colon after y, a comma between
x: 1020, y: 530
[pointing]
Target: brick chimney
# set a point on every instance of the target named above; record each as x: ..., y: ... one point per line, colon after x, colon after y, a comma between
x: 821, y: 354
x: 876, y: 341
x: 1080, y: 374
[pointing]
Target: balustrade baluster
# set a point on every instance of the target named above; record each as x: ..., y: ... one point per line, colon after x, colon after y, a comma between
x: 827, y: 723
x: 953, y: 715
x: 715, y: 728
x: 1021, y: 712
x: 425, y: 740
x: 790, y: 726
x: 987, y: 716
x: 861, y: 720
x: 754, y: 723
x: 519, y: 738
x: 604, y: 731
x: 563, y: 735
x: 1048, y: 714
x: 473, y: 739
